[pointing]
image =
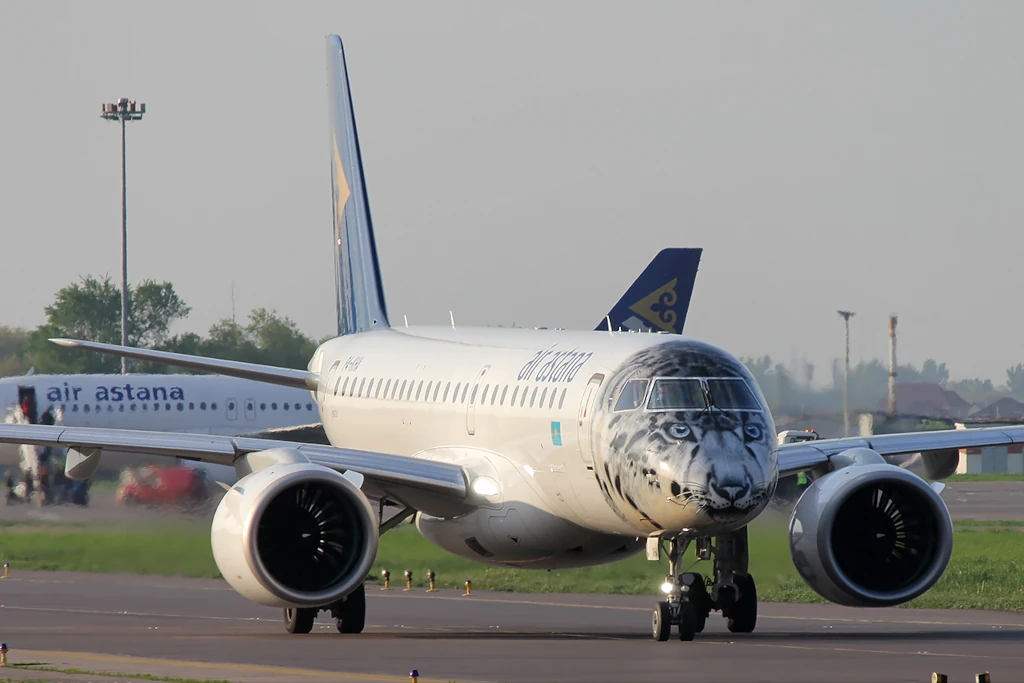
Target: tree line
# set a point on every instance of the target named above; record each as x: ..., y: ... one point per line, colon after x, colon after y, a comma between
x: 787, y: 388
x: 91, y: 310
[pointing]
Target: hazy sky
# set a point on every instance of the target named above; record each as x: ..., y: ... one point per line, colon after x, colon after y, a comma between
x: 525, y: 160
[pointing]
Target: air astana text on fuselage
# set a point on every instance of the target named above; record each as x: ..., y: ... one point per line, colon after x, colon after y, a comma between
x: 554, y: 366
x: 555, y: 410
x: 125, y: 392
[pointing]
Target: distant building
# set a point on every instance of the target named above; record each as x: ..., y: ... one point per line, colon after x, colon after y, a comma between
x: 991, y: 459
x: 928, y: 399
x: 1004, y: 409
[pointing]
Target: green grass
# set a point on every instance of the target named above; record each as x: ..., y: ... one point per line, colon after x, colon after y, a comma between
x: 983, y: 477
x: 986, y: 572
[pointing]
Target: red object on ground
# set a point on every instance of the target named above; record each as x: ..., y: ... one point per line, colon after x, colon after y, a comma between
x: 178, y: 486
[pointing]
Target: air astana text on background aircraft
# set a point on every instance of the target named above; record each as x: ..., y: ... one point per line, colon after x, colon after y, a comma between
x: 554, y: 366
x: 122, y: 392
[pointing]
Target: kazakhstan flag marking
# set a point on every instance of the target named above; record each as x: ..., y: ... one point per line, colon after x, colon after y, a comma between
x: 556, y: 433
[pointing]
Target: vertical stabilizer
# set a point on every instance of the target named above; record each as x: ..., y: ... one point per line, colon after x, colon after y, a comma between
x: 359, y: 290
x: 659, y: 299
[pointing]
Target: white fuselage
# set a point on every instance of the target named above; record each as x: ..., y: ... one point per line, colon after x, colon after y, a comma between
x: 199, y: 404
x: 530, y: 410
x: 196, y: 404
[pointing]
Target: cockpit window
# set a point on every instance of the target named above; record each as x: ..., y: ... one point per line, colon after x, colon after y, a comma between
x: 700, y: 393
x: 632, y: 396
x: 732, y: 394
x: 677, y: 394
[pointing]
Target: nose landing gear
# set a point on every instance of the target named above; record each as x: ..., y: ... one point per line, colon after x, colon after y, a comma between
x: 689, y: 603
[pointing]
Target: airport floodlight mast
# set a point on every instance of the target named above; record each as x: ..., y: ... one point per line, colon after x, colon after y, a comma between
x: 846, y: 315
x: 124, y: 110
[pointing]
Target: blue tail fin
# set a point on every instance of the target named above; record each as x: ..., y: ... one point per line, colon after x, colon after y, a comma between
x: 659, y: 299
x: 357, y: 274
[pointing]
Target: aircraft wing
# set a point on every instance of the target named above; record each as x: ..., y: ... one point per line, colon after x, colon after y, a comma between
x: 436, y: 488
x: 806, y: 455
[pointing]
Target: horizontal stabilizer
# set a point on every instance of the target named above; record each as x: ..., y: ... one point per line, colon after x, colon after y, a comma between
x: 300, y: 379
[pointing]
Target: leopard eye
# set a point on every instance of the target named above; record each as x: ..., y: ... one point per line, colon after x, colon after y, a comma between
x: 752, y: 431
x: 679, y: 431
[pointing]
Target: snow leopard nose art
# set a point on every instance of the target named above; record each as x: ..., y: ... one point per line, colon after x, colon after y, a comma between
x: 720, y: 480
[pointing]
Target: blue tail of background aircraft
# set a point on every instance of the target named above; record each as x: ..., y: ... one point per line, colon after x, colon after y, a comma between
x: 659, y: 299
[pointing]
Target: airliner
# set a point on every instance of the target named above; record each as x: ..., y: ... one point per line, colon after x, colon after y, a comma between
x: 537, y: 449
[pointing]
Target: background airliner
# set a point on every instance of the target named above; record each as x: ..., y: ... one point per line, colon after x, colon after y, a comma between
x: 538, y: 449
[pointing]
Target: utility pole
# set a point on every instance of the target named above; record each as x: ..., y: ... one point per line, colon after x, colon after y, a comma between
x: 892, y: 365
x: 846, y: 315
x: 124, y: 110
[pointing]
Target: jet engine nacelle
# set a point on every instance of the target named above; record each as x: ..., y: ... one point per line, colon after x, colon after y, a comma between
x: 870, y: 535
x: 294, y: 535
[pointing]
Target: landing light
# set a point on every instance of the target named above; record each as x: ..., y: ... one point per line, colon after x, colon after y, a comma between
x: 667, y: 587
x: 485, y: 486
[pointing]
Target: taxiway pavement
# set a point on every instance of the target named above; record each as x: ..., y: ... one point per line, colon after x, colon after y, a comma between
x: 201, y: 629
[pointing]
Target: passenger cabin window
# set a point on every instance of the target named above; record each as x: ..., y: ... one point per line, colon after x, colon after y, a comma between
x: 543, y: 394
x: 455, y: 394
x: 446, y: 388
x: 562, y: 399
x: 437, y: 389
x: 633, y: 393
x: 504, y: 390
x: 677, y: 394
x: 426, y: 396
x: 362, y: 385
x: 731, y: 394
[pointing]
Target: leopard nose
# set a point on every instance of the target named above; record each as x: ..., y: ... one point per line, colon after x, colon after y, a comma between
x: 730, y: 492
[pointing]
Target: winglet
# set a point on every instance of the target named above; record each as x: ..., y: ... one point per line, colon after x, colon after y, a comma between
x: 659, y: 299
x: 360, y: 293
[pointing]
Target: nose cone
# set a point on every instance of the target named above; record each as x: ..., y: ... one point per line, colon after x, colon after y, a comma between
x: 719, y: 472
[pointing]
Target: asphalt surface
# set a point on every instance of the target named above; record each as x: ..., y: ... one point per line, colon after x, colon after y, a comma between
x: 201, y: 629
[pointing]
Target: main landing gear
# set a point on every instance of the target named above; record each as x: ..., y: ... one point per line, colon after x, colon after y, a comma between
x: 349, y: 614
x: 689, y: 603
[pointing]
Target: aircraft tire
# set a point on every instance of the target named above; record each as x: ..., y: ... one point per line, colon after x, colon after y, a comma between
x: 687, y: 621
x: 299, y: 620
x: 661, y: 622
x: 353, y: 612
x: 742, y: 616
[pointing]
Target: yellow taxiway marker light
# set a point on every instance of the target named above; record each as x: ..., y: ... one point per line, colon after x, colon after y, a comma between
x: 3, y: 654
x: 7, y: 570
x: 387, y: 579
x: 430, y: 577
x: 408, y: 581
x: 469, y: 588
x: 414, y: 676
